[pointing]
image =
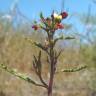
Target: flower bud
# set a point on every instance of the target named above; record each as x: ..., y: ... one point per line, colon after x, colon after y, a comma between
x: 35, y: 27
x: 59, y: 26
x: 64, y: 15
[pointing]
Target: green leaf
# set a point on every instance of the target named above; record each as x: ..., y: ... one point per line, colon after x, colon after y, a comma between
x: 72, y: 69
x: 35, y: 22
x: 17, y: 74
x: 40, y: 46
x: 69, y: 38
x: 41, y: 15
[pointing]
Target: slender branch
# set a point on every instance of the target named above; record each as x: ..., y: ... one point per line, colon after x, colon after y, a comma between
x: 38, y: 68
x: 41, y: 46
x: 37, y: 45
x: 72, y: 70
x: 40, y: 77
x: 60, y: 52
x: 42, y: 81
x: 21, y: 76
x: 29, y: 40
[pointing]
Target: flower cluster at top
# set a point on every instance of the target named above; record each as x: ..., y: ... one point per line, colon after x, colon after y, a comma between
x: 51, y: 23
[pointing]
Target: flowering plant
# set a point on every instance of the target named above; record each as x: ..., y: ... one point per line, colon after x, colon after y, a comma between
x: 50, y: 25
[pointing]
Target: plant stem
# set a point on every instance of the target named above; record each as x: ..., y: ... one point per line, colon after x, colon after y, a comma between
x: 51, y: 81
x: 52, y: 71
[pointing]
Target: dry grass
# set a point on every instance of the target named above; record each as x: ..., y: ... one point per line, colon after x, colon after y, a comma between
x: 17, y: 53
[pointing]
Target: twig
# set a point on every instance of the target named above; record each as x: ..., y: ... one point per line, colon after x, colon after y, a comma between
x: 21, y: 76
x: 72, y: 70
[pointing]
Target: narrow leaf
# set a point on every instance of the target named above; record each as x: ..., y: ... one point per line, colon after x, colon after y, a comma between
x: 17, y: 74
x: 72, y: 70
x: 41, y: 15
x: 69, y: 38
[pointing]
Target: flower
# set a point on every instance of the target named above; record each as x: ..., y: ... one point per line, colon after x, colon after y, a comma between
x: 64, y: 15
x: 59, y: 26
x: 57, y: 16
x: 51, y: 23
x: 35, y: 27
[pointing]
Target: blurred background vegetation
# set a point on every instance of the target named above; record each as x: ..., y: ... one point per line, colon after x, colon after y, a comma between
x: 17, y: 53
